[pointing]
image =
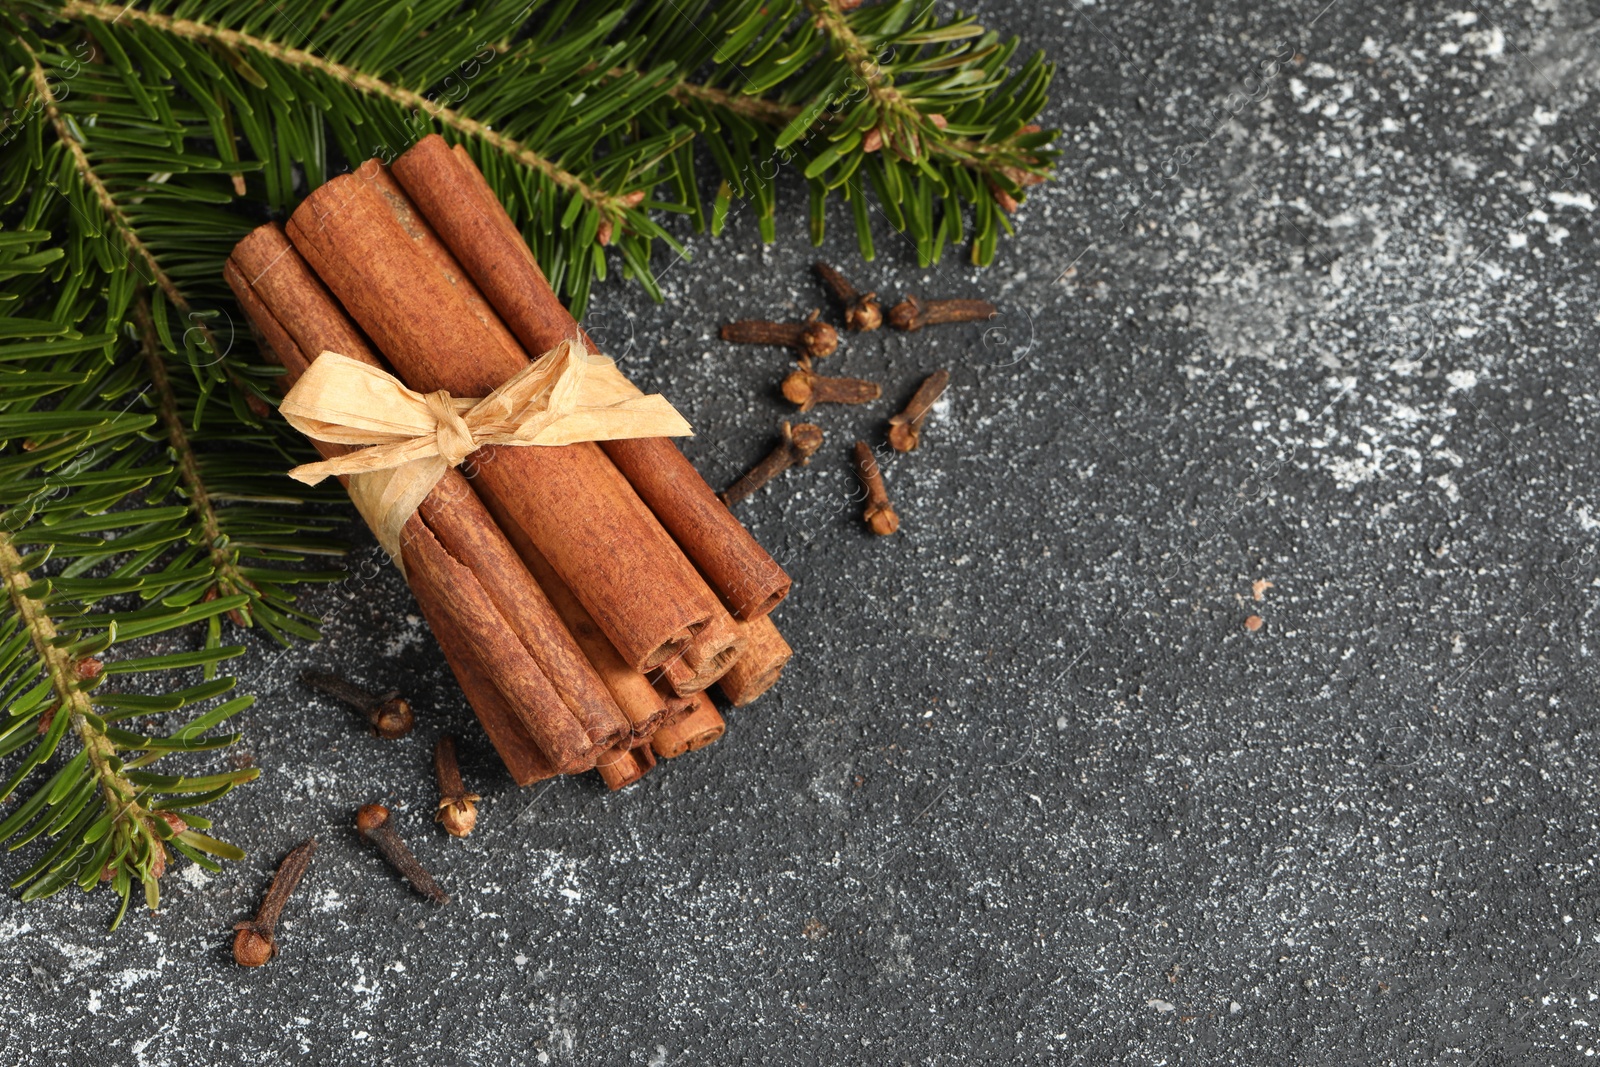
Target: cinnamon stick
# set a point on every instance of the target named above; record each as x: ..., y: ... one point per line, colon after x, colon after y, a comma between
x: 677, y: 706
x: 517, y: 750
x: 572, y: 502
x: 460, y: 577
x: 623, y: 766
x: 522, y: 758
x: 638, y: 699
x: 696, y: 728
x: 765, y: 654
x: 450, y: 192
x: 467, y: 531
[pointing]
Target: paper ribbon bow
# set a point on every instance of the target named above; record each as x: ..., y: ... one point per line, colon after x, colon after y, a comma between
x: 563, y: 397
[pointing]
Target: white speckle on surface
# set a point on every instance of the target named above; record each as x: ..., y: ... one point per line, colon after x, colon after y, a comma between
x: 326, y: 898
x: 1581, y: 201
x: 410, y: 637
x: 1162, y: 1006
x: 1462, y: 379
x: 125, y: 979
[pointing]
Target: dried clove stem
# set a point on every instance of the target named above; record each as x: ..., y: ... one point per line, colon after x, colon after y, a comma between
x: 375, y: 825
x: 811, y: 339
x: 808, y: 389
x: 255, y: 943
x: 912, y: 314
x: 862, y: 312
x: 798, y: 445
x: 878, y: 513
x: 389, y: 713
x: 905, y: 429
x: 458, y: 809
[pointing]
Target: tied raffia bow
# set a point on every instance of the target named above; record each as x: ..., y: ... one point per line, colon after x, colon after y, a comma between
x: 563, y: 397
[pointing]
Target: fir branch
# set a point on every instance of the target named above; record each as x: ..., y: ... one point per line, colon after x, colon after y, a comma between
x: 121, y: 797
x: 225, y: 566
x: 227, y: 576
x: 778, y: 115
x: 86, y: 173
x: 879, y: 86
x: 613, y: 204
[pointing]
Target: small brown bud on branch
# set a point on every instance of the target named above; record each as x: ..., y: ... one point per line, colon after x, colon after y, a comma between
x: 878, y: 513
x: 905, y: 429
x: 862, y: 312
x: 458, y: 809
x: 389, y: 713
x: 912, y: 314
x: 811, y: 339
x: 375, y: 825
x: 255, y: 943
x: 808, y: 389
x: 798, y: 445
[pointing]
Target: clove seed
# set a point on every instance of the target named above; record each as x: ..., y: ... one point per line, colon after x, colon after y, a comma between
x: 255, y: 943
x: 811, y: 339
x: 862, y: 312
x: 807, y: 389
x: 458, y: 809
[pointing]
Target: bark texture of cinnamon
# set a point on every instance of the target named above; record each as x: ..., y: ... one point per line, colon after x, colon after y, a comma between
x: 457, y: 562
x: 638, y: 699
x: 571, y: 501
x: 765, y: 655
x: 451, y: 194
x: 698, y: 726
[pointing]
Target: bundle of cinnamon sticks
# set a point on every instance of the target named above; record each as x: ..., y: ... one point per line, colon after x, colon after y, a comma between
x: 586, y: 596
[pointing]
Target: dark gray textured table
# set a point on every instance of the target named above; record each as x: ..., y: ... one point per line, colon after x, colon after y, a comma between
x: 1030, y: 791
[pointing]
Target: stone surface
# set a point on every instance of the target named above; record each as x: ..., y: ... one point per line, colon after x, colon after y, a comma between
x: 1312, y: 303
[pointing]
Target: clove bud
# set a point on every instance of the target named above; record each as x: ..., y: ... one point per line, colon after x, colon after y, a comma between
x: 912, y: 313
x: 255, y: 943
x: 807, y: 389
x: 388, y: 713
x: 879, y: 514
x: 797, y: 446
x: 375, y: 825
x: 862, y: 312
x: 458, y: 809
x: 905, y: 429
x: 811, y: 339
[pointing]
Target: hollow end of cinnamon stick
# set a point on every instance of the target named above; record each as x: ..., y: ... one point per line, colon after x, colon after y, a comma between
x: 624, y: 765
x: 765, y: 655
x: 700, y: 725
x: 715, y: 649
